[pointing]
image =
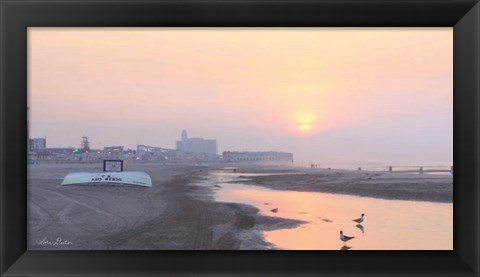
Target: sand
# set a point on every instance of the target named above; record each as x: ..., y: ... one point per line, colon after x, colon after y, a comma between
x: 174, y: 214
x: 385, y: 185
x: 178, y: 214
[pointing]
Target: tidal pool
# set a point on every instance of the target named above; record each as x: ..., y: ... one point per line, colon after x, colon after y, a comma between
x: 388, y: 225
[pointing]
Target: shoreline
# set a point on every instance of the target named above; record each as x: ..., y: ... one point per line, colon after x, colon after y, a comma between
x: 375, y: 184
x: 180, y: 211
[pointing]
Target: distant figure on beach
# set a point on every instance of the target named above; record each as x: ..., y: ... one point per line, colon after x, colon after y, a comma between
x: 359, y: 220
x: 345, y: 238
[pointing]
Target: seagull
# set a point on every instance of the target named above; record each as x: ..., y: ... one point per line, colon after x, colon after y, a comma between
x: 359, y: 220
x: 345, y: 238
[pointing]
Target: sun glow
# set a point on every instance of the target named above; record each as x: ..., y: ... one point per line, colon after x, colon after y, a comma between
x: 305, y: 121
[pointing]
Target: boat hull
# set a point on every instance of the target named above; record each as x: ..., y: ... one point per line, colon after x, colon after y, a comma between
x: 135, y: 178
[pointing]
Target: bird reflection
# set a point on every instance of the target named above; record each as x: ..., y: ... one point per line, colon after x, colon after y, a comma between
x: 345, y: 247
x: 360, y: 226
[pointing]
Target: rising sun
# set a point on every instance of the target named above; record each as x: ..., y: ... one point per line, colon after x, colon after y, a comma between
x: 305, y: 121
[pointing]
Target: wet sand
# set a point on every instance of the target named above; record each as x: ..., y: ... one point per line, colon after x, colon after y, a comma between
x: 385, y: 185
x: 174, y: 214
x: 179, y: 214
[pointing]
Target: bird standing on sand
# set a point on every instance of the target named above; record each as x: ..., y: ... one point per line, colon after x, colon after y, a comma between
x: 359, y: 220
x: 345, y: 238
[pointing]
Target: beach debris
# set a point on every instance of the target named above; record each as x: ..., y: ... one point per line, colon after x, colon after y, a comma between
x: 274, y: 210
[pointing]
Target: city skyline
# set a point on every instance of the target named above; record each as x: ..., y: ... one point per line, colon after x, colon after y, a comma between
x: 101, y: 145
x: 332, y: 94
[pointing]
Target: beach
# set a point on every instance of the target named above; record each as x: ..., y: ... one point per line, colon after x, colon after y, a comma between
x: 385, y: 185
x: 172, y: 215
x: 180, y: 211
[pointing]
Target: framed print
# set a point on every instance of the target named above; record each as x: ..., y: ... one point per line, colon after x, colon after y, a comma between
x: 131, y: 129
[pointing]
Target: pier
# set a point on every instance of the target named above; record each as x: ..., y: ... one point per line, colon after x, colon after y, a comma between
x: 420, y: 170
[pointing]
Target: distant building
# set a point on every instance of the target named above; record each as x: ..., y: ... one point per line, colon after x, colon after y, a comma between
x: 153, y: 153
x: 85, y: 144
x: 60, y: 150
x: 205, y: 147
x: 233, y: 156
x: 37, y: 144
x: 113, y: 152
x: 53, y: 154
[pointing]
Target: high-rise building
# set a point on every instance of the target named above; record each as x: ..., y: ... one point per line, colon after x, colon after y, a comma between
x: 184, y: 135
x: 197, y: 145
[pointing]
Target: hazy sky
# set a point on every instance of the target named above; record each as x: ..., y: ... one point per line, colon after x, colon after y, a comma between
x: 326, y: 94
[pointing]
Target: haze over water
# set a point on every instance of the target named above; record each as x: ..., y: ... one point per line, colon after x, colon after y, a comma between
x: 325, y: 94
x: 336, y: 97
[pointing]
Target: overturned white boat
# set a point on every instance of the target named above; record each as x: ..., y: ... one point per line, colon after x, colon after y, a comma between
x: 121, y: 178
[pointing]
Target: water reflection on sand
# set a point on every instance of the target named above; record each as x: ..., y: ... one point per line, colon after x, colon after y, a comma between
x: 388, y: 225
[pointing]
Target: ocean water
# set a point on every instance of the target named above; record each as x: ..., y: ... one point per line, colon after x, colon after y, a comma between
x: 380, y: 166
x: 388, y: 225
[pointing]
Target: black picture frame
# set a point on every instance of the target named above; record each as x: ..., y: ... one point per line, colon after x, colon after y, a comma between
x: 17, y: 15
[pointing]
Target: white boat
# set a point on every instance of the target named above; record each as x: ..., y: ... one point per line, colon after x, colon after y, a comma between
x: 136, y: 178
